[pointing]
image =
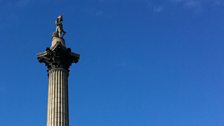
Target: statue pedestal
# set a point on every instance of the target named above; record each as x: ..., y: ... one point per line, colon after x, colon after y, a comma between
x: 56, y: 40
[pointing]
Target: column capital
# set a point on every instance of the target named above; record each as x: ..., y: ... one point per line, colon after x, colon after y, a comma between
x: 58, y: 56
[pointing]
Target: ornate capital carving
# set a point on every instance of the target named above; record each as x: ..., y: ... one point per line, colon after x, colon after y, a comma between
x: 58, y: 57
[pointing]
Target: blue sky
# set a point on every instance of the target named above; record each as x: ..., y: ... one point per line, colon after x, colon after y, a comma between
x: 143, y: 62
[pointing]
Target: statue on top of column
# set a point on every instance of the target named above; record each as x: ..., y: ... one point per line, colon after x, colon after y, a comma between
x: 59, y: 27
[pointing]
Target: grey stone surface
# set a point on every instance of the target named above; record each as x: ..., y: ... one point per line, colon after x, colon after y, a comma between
x: 57, y: 114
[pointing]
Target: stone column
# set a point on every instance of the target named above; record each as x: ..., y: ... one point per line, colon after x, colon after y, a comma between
x: 58, y: 58
x: 57, y: 114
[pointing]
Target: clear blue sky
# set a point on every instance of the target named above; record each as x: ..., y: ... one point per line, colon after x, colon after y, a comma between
x: 143, y: 62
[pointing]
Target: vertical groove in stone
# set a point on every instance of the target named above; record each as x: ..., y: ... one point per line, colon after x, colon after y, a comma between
x: 49, y: 99
x: 54, y: 93
x: 56, y: 102
x: 60, y: 98
x: 49, y: 96
x: 63, y: 99
x: 58, y: 77
x: 55, y: 99
x: 65, y: 116
x: 58, y: 113
x: 52, y: 98
x: 48, y: 106
x: 66, y: 102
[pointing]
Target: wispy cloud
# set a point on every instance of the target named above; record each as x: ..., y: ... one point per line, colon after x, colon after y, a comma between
x: 198, y: 4
x: 195, y: 5
x: 159, y: 6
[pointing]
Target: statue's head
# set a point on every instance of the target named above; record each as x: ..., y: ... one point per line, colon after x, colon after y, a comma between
x: 60, y: 17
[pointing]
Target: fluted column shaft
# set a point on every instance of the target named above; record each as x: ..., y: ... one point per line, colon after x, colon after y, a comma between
x: 57, y: 113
